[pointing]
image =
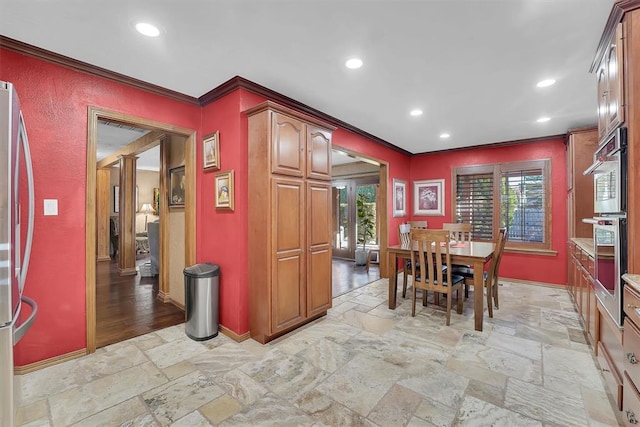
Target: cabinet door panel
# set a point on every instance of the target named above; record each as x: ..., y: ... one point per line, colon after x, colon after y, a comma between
x: 287, y: 293
x: 615, y: 96
x: 318, y: 153
x: 319, y: 247
x: 288, y: 146
x: 603, y: 102
x: 288, y: 296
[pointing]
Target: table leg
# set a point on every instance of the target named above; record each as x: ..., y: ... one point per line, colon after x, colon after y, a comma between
x: 393, y: 279
x: 478, y: 293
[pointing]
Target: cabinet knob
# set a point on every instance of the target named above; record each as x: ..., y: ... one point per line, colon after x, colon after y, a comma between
x: 631, y: 306
x: 631, y: 417
x: 632, y: 358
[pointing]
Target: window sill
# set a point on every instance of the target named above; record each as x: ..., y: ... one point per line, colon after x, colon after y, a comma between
x: 544, y: 252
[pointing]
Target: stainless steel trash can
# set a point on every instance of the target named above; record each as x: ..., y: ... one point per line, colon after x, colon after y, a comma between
x: 201, y: 288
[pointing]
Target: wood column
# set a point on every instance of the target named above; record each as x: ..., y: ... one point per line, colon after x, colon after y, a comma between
x: 127, y: 237
x: 103, y: 208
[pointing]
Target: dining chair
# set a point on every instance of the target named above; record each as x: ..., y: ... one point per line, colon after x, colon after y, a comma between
x: 490, y: 277
x: 459, y: 231
x: 432, y: 255
x: 404, y: 239
x: 417, y: 224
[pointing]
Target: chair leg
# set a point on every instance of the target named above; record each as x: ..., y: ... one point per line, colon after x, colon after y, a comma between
x: 448, y: 308
x: 495, y: 294
x: 466, y: 290
x: 489, y: 295
x: 404, y: 282
x: 413, y: 301
x: 459, y: 301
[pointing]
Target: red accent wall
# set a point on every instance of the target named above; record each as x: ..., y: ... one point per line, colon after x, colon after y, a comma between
x: 55, y: 102
x: 548, y: 269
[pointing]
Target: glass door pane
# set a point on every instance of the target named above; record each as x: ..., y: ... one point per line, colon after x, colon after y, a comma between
x: 342, y: 246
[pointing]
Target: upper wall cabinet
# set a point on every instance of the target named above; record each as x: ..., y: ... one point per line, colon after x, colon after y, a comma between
x: 300, y: 149
x: 610, y: 86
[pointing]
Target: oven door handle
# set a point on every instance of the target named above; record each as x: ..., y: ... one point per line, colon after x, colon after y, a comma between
x: 590, y: 221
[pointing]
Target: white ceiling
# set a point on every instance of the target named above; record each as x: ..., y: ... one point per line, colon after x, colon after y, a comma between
x: 471, y: 65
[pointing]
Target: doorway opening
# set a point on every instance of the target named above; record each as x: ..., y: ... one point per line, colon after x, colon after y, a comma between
x: 354, y: 176
x: 132, y: 241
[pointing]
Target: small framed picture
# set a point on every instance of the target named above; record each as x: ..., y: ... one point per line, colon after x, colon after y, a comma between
x: 399, y: 197
x: 211, y: 151
x: 176, y: 183
x: 428, y: 197
x: 224, y: 190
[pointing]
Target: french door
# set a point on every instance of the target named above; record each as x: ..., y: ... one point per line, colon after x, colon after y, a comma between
x: 344, y: 194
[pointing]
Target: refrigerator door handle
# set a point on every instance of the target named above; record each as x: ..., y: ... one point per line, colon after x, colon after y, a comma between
x: 29, y: 170
x: 19, y: 332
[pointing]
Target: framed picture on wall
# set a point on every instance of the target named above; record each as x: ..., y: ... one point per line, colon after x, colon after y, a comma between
x: 428, y: 197
x: 211, y: 151
x: 399, y: 197
x: 224, y: 190
x: 176, y: 183
x: 156, y: 201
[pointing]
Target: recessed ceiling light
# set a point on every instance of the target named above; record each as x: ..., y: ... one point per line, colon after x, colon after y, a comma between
x: 545, y: 83
x: 416, y: 112
x: 444, y: 135
x: 147, y: 29
x: 543, y: 119
x: 354, y: 63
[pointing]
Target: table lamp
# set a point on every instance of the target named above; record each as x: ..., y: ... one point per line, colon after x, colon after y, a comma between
x: 146, y: 210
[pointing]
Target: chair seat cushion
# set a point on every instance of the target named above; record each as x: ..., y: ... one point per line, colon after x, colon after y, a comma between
x: 454, y: 279
x: 466, y: 272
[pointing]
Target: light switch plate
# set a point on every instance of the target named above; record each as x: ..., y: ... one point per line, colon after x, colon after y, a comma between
x: 50, y: 206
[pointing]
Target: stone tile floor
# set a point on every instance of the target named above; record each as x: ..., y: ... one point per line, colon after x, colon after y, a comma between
x: 362, y: 364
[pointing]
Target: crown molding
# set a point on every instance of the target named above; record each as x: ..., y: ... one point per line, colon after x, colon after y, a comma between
x: 496, y: 144
x: 615, y: 17
x: 238, y: 82
x: 65, y: 61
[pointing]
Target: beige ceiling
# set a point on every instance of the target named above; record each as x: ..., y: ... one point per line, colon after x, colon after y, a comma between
x: 470, y: 65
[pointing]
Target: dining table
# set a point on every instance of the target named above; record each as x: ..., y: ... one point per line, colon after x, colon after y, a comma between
x: 474, y: 254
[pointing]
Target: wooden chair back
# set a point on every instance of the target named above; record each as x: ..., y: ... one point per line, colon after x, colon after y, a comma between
x: 492, y: 273
x: 404, y: 235
x: 458, y: 231
x: 417, y: 224
x: 431, y: 254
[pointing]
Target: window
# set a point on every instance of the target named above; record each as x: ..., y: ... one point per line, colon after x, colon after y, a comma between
x: 511, y: 195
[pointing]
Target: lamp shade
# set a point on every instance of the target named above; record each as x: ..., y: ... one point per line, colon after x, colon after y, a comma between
x: 147, y: 209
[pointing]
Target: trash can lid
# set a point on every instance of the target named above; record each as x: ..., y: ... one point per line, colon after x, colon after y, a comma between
x: 205, y: 269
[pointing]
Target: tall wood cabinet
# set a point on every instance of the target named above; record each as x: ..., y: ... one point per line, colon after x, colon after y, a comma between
x: 289, y: 219
x: 581, y: 144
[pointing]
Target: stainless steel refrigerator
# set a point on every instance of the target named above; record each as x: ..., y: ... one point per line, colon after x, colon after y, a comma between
x: 14, y: 259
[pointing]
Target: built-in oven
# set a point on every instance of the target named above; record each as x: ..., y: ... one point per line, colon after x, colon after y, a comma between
x: 609, y: 170
x: 610, y: 249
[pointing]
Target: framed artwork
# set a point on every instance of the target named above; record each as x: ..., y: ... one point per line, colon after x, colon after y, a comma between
x: 224, y: 190
x: 211, y: 151
x: 428, y: 198
x: 399, y: 197
x: 156, y: 201
x: 176, y: 183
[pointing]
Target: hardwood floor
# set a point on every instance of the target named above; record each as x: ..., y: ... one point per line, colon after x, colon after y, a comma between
x: 346, y: 277
x: 128, y: 306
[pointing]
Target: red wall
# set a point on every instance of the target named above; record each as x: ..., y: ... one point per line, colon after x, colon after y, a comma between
x: 55, y: 103
x: 548, y: 269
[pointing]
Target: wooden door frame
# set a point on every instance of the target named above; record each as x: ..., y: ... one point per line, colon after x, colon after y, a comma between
x: 94, y: 115
x: 384, y: 201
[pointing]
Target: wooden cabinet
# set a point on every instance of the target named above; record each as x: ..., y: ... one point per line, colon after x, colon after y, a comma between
x: 610, y: 80
x: 580, y: 284
x: 631, y: 354
x: 581, y: 144
x: 289, y: 220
